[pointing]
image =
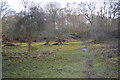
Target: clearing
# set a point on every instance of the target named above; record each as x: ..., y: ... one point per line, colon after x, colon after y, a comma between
x: 70, y: 60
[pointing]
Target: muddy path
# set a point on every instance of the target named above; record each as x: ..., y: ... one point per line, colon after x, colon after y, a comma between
x: 95, y: 66
x: 89, y: 72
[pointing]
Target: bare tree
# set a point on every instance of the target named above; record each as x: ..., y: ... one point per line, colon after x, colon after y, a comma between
x: 30, y: 26
x: 52, y: 12
x: 3, y: 8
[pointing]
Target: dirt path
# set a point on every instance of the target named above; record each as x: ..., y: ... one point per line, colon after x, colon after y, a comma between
x: 96, y: 67
x: 89, y: 64
x: 89, y: 72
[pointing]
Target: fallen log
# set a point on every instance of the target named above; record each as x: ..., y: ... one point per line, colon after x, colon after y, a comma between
x: 9, y: 44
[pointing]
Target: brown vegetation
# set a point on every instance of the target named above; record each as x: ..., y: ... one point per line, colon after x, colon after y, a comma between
x: 9, y: 44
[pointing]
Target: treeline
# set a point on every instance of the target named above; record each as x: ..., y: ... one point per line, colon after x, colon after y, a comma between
x: 51, y: 22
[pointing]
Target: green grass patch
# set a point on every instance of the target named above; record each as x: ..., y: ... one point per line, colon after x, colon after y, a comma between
x: 65, y: 61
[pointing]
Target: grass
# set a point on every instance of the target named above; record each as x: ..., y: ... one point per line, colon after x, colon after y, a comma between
x: 66, y: 61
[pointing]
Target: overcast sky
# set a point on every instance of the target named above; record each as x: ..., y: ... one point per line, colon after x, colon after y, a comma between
x: 16, y: 4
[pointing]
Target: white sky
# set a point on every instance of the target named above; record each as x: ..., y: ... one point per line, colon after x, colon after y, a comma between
x: 16, y: 4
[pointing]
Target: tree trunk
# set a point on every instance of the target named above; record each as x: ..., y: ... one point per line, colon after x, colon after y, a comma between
x: 29, y: 46
x: 59, y: 41
x: 47, y: 41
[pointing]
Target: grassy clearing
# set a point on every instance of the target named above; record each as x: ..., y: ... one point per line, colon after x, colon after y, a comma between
x: 65, y: 61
